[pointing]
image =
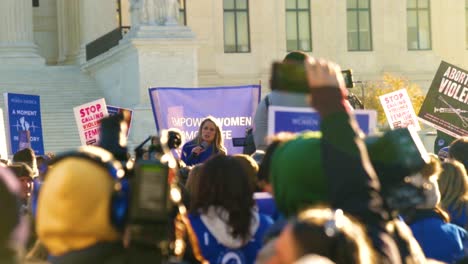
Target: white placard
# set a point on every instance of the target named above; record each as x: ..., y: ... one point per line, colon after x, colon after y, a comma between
x: 399, y: 110
x: 88, y: 119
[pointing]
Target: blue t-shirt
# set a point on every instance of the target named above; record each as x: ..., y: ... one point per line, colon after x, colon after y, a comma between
x: 217, y: 253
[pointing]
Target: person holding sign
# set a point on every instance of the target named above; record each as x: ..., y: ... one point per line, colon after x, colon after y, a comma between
x: 208, y: 141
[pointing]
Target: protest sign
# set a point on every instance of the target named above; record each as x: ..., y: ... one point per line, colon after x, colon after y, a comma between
x: 3, y: 143
x: 298, y: 119
x: 114, y: 110
x: 88, y: 119
x: 185, y: 109
x: 446, y: 104
x: 24, y: 124
x: 399, y: 110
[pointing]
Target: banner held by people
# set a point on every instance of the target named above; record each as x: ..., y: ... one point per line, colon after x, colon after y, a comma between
x: 298, y: 119
x: 88, y: 119
x: 399, y: 110
x: 446, y: 104
x: 24, y: 120
x: 185, y: 108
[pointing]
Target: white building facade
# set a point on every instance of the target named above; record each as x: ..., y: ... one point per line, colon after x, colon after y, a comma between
x: 224, y: 42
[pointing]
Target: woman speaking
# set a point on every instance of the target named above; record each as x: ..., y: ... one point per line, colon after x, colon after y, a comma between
x: 209, y: 141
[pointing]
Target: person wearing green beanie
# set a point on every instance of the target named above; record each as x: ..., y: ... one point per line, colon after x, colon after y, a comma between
x: 297, y: 175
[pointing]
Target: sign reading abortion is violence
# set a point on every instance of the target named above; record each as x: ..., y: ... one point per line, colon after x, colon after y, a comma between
x: 24, y: 123
x: 88, y: 119
x: 446, y: 103
x: 185, y: 109
x: 399, y: 110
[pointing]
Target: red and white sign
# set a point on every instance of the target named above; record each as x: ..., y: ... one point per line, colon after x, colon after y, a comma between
x: 88, y: 119
x: 399, y: 110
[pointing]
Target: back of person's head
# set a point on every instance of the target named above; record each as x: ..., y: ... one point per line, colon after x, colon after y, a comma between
x: 258, y: 156
x: 250, y: 167
x: 325, y: 232
x: 225, y: 185
x: 458, y: 150
x: 453, y: 185
x: 9, y: 199
x: 27, y: 156
x: 79, y: 202
x: 296, y: 174
x: 25, y: 175
x: 21, y: 169
x: 430, y: 174
x: 263, y: 174
x: 193, y: 178
x: 296, y: 56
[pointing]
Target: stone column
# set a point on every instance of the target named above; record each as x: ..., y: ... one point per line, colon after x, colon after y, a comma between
x: 69, y: 31
x: 98, y: 17
x: 16, y: 34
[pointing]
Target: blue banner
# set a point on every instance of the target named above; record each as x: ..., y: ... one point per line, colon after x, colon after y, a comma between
x: 185, y: 109
x: 24, y: 118
x: 298, y: 119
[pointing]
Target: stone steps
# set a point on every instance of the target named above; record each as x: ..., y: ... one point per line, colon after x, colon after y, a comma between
x: 61, y: 88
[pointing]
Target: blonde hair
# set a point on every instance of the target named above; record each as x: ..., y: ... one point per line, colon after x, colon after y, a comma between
x: 453, y: 184
x: 219, y: 142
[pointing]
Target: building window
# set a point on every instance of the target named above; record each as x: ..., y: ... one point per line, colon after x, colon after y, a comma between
x: 298, y: 33
x: 419, y: 25
x: 35, y: 3
x: 236, y: 26
x: 359, y: 25
x: 182, y: 13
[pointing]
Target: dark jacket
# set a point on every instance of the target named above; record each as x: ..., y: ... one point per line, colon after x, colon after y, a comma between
x: 353, y: 185
x: 101, y: 253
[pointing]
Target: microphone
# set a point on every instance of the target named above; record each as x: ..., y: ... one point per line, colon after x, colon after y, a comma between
x: 203, y: 145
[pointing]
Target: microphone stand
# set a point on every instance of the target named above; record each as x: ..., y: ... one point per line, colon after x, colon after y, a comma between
x: 139, y: 149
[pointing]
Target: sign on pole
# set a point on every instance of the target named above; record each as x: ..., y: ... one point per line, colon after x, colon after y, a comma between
x: 399, y: 110
x: 88, y: 119
x: 446, y: 104
x: 3, y: 143
x: 24, y: 124
x: 114, y: 110
x: 299, y: 119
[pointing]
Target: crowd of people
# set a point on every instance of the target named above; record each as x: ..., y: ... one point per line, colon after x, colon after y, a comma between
x: 316, y: 197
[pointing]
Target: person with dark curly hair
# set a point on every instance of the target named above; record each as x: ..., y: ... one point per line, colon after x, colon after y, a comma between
x: 223, y: 213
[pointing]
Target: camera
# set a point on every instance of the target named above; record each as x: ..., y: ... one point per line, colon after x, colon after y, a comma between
x: 348, y: 78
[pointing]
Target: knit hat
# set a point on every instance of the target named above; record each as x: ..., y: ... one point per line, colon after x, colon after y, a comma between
x: 9, y: 199
x: 73, y: 210
x: 297, y: 175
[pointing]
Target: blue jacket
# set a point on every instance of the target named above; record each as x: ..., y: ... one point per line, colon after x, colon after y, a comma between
x: 266, y: 205
x: 460, y: 219
x: 217, y: 246
x: 190, y: 160
x: 439, y: 240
